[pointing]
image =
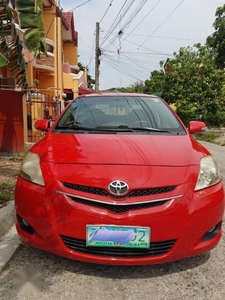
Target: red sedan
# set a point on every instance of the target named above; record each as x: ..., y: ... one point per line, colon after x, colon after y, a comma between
x: 118, y: 179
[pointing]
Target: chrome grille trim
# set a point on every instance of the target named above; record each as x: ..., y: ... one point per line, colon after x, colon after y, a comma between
x: 131, y: 194
x: 119, y: 203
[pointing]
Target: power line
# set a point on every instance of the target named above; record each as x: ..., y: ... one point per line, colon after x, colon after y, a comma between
x: 92, y: 50
x: 162, y: 22
x: 118, y: 18
x: 134, y: 61
x: 157, y: 36
x: 165, y: 37
x: 106, y: 11
x: 141, y: 60
x: 144, y: 62
x: 130, y: 68
x: 129, y: 20
x: 79, y: 5
x: 145, y: 48
x: 84, y: 43
x: 125, y: 71
x: 144, y: 17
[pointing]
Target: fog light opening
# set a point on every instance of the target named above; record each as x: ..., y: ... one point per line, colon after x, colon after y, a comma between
x: 212, y: 229
x: 211, y: 233
x: 25, y: 226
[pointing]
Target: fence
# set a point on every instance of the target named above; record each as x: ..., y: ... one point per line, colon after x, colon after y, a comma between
x: 40, y: 109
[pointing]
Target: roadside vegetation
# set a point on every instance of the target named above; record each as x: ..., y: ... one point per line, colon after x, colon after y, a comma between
x: 6, y: 193
x: 9, y: 169
x: 212, y: 137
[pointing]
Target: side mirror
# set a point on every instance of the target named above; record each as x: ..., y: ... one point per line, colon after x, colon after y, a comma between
x: 197, y: 127
x: 42, y: 125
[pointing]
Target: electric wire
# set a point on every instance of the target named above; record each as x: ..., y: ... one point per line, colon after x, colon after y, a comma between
x: 135, y: 62
x: 144, y: 18
x: 165, y: 37
x: 131, y: 68
x: 84, y: 43
x: 162, y: 22
x: 79, y: 5
x: 139, y: 46
x: 126, y: 73
x: 92, y: 50
x: 129, y: 20
x: 128, y: 69
x: 106, y: 11
x: 123, y: 11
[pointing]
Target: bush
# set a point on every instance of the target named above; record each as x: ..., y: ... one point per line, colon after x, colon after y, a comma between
x: 215, y: 120
x: 186, y: 115
x: 189, y: 113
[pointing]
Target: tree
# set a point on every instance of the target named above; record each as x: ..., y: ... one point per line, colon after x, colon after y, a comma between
x: 191, y: 81
x: 217, y: 40
x: 137, y: 87
x: 155, y: 84
x: 30, y: 15
x: 11, y: 45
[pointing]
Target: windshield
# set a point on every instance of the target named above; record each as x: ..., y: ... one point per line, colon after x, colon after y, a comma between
x: 120, y: 112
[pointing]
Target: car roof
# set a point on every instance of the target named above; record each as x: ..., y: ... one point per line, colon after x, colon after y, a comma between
x: 118, y: 94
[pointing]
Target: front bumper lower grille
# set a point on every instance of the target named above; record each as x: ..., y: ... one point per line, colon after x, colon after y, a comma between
x: 157, y: 248
x: 119, y: 209
x: 134, y: 193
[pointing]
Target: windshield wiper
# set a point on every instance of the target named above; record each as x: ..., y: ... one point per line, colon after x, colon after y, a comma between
x: 149, y: 129
x: 142, y: 129
x: 120, y: 128
x: 87, y: 129
x: 126, y: 128
x: 74, y: 127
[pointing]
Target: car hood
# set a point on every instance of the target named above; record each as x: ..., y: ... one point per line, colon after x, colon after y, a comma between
x: 120, y: 149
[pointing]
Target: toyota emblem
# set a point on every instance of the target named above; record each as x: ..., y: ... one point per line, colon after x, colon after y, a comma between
x: 118, y: 187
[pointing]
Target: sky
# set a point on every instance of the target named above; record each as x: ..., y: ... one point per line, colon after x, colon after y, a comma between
x: 150, y: 31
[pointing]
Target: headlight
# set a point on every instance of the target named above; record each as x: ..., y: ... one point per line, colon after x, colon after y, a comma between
x: 31, y: 170
x: 208, y: 174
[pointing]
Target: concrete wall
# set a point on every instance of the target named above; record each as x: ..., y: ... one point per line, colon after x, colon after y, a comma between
x: 12, y: 122
x: 70, y: 53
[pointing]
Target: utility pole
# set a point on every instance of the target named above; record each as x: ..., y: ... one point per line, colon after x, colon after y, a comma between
x: 97, y: 60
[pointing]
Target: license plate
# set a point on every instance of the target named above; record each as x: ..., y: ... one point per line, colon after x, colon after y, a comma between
x: 117, y: 236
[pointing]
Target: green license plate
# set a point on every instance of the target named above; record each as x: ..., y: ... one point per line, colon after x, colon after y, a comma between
x: 117, y: 236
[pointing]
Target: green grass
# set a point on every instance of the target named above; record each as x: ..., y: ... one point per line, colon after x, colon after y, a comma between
x: 208, y: 137
x: 6, y: 192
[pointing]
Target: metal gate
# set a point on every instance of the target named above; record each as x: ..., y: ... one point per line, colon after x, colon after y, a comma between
x: 38, y: 109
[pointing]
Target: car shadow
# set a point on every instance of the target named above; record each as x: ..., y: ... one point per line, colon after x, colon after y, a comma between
x: 132, y: 272
x: 50, y: 266
x: 113, y: 271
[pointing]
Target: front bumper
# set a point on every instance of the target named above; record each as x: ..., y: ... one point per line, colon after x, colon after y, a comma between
x: 178, y: 225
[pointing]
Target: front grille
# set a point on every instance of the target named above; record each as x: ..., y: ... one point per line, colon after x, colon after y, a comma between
x: 157, y: 248
x: 118, y: 209
x: 134, y: 193
x: 86, y: 189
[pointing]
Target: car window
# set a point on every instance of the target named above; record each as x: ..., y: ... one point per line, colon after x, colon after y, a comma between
x: 131, y: 111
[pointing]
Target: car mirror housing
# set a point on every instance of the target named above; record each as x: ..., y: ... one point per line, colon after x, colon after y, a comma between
x: 196, y: 127
x: 42, y: 125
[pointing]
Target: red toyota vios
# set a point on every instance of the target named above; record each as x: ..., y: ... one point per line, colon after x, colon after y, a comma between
x: 118, y: 179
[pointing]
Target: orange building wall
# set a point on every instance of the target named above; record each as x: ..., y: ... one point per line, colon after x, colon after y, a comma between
x: 70, y: 53
x: 49, y: 14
